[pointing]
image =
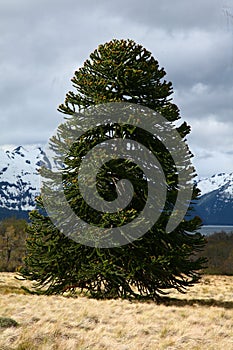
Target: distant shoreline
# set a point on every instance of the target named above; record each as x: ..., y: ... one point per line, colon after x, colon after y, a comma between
x: 210, y: 229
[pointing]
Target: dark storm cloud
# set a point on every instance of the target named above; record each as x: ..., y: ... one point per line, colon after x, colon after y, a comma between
x: 43, y: 42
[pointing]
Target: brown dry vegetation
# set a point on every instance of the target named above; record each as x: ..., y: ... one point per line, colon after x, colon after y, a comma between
x: 200, y: 319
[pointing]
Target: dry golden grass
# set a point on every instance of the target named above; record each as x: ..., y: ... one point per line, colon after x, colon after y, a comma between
x: 200, y: 319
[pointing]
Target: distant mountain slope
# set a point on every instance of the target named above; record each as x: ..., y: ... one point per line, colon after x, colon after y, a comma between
x: 19, y: 180
x: 215, y: 206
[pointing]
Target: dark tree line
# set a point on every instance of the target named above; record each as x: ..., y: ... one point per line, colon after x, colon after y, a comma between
x: 12, y: 243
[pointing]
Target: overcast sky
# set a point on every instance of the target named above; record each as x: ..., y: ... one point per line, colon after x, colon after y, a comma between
x: 42, y: 43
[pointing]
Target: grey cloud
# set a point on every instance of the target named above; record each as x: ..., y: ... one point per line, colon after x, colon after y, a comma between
x: 174, y: 15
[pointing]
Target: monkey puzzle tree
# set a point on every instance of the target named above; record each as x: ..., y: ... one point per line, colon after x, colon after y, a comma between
x: 119, y: 71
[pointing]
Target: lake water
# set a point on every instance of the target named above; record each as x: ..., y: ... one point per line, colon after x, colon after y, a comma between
x: 209, y: 229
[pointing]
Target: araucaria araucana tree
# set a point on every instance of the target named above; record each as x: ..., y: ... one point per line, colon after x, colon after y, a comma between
x: 118, y: 71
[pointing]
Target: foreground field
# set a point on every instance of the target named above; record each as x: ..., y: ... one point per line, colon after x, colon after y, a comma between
x: 200, y: 319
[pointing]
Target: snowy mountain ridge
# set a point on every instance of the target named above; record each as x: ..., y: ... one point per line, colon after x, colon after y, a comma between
x: 215, y: 182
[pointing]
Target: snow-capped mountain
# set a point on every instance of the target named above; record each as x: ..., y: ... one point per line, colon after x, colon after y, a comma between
x: 19, y: 180
x: 215, y: 206
x: 20, y: 184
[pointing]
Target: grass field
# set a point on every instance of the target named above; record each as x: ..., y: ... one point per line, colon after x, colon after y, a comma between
x: 200, y: 319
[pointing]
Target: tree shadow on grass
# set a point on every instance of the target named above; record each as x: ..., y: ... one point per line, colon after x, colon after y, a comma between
x: 196, y: 302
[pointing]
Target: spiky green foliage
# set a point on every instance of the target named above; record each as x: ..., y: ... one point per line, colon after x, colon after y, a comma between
x: 118, y: 71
